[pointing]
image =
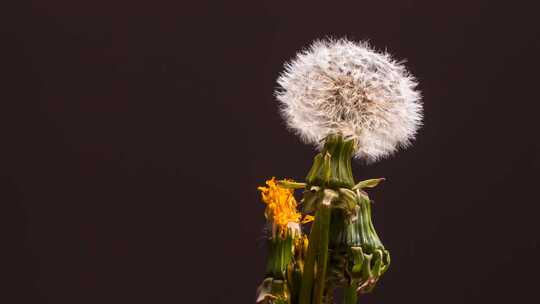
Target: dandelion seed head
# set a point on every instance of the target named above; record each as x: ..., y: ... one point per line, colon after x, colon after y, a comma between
x: 345, y: 87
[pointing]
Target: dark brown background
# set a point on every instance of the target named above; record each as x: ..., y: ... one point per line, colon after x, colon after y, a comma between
x: 134, y: 133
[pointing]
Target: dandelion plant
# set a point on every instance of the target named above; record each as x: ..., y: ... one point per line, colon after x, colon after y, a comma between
x: 350, y: 101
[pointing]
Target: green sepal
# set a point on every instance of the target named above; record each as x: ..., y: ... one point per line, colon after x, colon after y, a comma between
x: 280, y: 252
x: 347, y: 201
x: 386, y: 260
x: 294, y: 279
x: 310, y: 199
x: 335, y: 172
x: 313, y: 173
x: 362, y: 232
x: 357, y: 263
x: 273, y: 291
x: 368, y: 183
x: 290, y: 185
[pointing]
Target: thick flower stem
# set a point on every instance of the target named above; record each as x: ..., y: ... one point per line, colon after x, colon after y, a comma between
x: 322, y: 261
x: 349, y: 295
x: 317, y: 254
x: 309, y: 266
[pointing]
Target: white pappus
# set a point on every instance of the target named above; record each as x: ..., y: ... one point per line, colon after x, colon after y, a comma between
x: 340, y: 86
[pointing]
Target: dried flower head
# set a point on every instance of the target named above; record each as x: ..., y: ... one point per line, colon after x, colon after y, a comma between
x: 281, y: 208
x: 344, y: 87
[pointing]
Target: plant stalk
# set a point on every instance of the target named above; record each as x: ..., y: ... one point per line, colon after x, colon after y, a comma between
x: 309, y: 266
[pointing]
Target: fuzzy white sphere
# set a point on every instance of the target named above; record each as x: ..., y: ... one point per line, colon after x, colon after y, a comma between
x: 340, y: 86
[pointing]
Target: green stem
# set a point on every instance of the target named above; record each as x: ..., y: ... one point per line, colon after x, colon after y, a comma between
x: 323, y: 253
x: 309, y: 266
x: 349, y: 295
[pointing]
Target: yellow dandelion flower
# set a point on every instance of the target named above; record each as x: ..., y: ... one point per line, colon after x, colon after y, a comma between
x: 281, y: 206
